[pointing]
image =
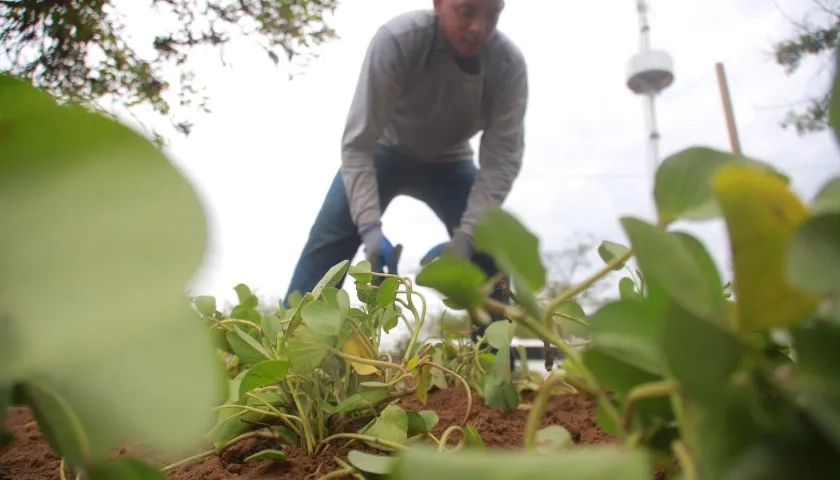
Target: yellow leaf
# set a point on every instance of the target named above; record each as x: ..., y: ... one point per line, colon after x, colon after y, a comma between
x: 357, y: 346
x: 761, y: 214
x: 423, y: 383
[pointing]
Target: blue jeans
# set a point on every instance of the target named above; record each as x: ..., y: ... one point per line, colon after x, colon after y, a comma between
x: 333, y: 238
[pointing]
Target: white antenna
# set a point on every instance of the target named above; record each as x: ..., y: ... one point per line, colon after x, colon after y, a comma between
x: 649, y: 72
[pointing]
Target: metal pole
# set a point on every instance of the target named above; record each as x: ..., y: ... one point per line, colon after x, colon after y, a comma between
x: 644, y: 27
x: 653, y: 137
x: 734, y: 142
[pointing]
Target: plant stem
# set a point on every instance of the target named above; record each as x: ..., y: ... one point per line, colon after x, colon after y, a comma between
x: 571, y: 354
x: 362, y: 438
x: 336, y: 474
x: 446, y: 434
x: 286, y: 418
x: 533, y: 423
x: 582, y: 286
x: 348, y: 467
x: 388, y: 399
x: 572, y: 318
x: 418, y: 321
x: 62, y: 474
x: 276, y: 414
x: 221, y: 448
x: 240, y: 322
x: 460, y: 378
x: 685, y: 460
x: 307, y: 426
x: 369, y: 361
x: 644, y: 391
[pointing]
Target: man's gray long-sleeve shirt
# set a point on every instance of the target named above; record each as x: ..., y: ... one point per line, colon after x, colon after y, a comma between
x: 412, y: 96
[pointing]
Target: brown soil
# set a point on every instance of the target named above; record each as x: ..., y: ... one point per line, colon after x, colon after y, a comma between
x: 31, y: 458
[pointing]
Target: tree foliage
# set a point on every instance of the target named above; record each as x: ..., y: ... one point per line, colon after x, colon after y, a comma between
x: 811, y: 38
x: 78, y: 50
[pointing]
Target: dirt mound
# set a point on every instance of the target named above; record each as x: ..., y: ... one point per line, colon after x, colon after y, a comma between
x: 31, y: 458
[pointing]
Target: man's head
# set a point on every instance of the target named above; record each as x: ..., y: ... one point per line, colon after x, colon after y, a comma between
x: 468, y: 24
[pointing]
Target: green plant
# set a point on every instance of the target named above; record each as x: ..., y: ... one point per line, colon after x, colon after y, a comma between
x: 305, y: 374
x: 739, y: 384
x: 100, y: 234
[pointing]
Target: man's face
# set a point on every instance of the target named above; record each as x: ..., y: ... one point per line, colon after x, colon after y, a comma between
x: 469, y: 24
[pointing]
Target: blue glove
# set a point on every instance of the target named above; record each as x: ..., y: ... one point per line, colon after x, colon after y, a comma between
x: 387, y: 258
x: 461, y: 245
x: 433, y: 253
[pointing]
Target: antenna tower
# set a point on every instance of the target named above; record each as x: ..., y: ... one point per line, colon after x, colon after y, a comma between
x: 649, y: 72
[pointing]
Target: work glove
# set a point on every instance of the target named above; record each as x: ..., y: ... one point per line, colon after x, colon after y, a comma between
x: 378, y: 250
x: 461, y: 245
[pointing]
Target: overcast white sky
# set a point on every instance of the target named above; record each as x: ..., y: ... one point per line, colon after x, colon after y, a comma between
x: 264, y: 158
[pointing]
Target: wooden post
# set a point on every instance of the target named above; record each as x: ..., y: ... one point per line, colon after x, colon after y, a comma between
x: 727, y: 109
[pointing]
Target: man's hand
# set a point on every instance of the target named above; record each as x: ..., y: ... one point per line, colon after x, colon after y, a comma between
x: 378, y: 250
x: 372, y: 241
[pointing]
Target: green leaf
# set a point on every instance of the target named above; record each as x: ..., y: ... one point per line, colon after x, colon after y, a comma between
x: 97, y: 220
x: 342, y: 300
x: 306, y: 350
x: 243, y: 293
x: 609, y: 251
x: 818, y: 382
x: 421, y: 422
x: 389, y: 319
x: 245, y: 312
x: 592, y: 463
x: 681, y: 266
x: 125, y: 469
x: 512, y: 246
x: 61, y: 424
x: 387, y: 292
x: 17, y: 97
x: 500, y: 334
x: 352, y: 402
x: 570, y: 327
x: 331, y: 278
x: 827, y: 200
x: 391, y: 425
x: 295, y: 299
x: 472, y: 439
x: 701, y: 355
x: 682, y: 184
x: 263, y: 374
x: 206, y: 305
x: 813, y: 259
x: 615, y: 374
x: 362, y: 272
x: 814, y: 251
x: 366, y: 462
x: 232, y: 425
x: 627, y: 289
x: 456, y: 278
x: 553, y: 438
x: 267, y: 455
x: 366, y: 293
x: 321, y: 318
x: 526, y: 298
x: 246, y: 347
x: 499, y: 391
x: 629, y: 331
x: 271, y: 328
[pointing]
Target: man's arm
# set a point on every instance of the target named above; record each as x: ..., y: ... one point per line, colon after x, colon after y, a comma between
x: 502, y: 147
x: 378, y: 87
